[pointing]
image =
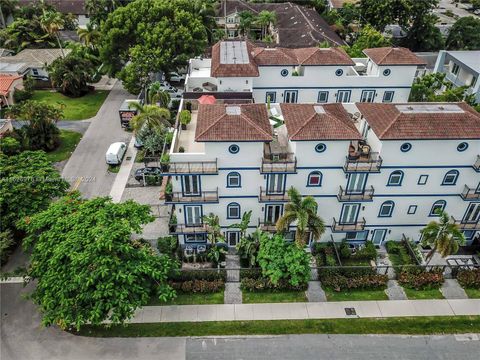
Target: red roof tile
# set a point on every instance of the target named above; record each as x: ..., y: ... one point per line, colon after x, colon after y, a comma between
x: 422, y: 120
x: 393, y: 56
x: 6, y: 81
x: 302, y: 56
x: 221, y: 122
x: 318, y: 122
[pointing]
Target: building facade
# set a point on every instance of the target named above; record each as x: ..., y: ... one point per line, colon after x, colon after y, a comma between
x: 377, y: 171
x: 305, y: 75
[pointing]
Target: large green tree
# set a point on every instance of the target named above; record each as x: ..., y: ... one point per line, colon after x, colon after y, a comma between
x: 52, y: 22
x: 27, y: 185
x: 86, y: 266
x: 149, y: 36
x: 367, y: 38
x: 464, y: 34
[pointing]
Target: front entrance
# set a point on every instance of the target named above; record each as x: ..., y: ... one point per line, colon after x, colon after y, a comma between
x: 233, y: 238
x: 379, y: 236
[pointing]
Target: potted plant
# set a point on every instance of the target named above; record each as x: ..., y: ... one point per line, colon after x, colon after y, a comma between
x: 181, y: 149
x: 164, y: 162
x: 185, y: 118
x: 168, y: 192
x: 173, y: 223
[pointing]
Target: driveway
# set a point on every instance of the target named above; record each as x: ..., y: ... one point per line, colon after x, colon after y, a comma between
x: 86, y: 170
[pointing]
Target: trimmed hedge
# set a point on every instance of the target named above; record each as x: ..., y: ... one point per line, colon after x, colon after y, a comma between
x: 340, y: 282
x: 421, y: 280
x: 208, y: 275
x: 346, y: 271
x: 251, y: 273
x: 469, y: 278
x: 259, y: 284
x: 199, y: 286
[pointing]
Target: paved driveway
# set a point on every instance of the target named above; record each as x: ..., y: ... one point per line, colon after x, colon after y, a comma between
x: 88, y: 160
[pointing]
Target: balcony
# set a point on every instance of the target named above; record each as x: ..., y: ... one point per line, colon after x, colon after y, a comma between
x: 279, y: 163
x: 359, y: 225
x: 264, y: 196
x: 476, y: 166
x: 466, y: 225
x: 190, y: 167
x: 177, y: 229
x: 470, y: 194
x: 267, y: 226
x: 345, y: 195
x: 369, y: 163
x: 204, y: 197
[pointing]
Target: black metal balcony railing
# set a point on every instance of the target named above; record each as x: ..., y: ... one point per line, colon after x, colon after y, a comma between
x: 265, y: 196
x: 176, y: 229
x: 279, y: 163
x: 267, y: 226
x: 476, y: 165
x: 203, y: 197
x: 359, y: 225
x: 470, y: 194
x: 466, y: 225
x: 370, y: 163
x: 346, y: 195
x: 190, y: 167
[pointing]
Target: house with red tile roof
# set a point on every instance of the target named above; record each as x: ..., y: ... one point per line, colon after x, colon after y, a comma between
x: 8, y: 84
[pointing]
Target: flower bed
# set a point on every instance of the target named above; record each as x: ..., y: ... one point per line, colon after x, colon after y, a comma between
x: 262, y: 284
x: 469, y: 278
x: 204, y: 281
x: 421, y: 279
x: 339, y: 282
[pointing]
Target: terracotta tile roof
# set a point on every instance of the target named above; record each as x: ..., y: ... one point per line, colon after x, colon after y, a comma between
x: 219, y: 69
x: 235, y: 122
x: 422, y: 120
x: 393, y: 56
x: 6, y: 81
x: 318, y: 122
x: 302, y: 56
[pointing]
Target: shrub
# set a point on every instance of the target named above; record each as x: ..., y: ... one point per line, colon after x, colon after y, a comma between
x: 367, y: 252
x: 208, y: 275
x: 153, y: 179
x: 251, y: 273
x: 167, y: 245
x: 330, y: 260
x: 469, y: 278
x: 393, y: 247
x: 198, y: 286
x: 344, y: 250
x: 6, y: 245
x: 421, y: 279
x: 10, y: 145
x: 260, y: 284
x: 21, y: 95
x: 340, y: 282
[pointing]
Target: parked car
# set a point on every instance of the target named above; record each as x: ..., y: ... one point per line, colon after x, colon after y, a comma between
x: 175, y: 94
x: 115, y: 153
x: 176, y: 77
x: 147, y: 171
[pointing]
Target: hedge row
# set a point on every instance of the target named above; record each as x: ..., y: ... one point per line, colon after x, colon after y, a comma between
x: 469, y: 278
x: 198, y: 286
x: 259, y: 284
x: 208, y: 275
x: 340, y: 282
x: 421, y: 280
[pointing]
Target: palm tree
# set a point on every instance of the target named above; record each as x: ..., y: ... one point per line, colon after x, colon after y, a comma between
x: 246, y: 21
x: 89, y: 35
x: 205, y: 9
x: 156, y: 95
x: 243, y: 224
x: 151, y: 116
x: 266, y: 18
x: 443, y: 236
x: 52, y: 22
x: 304, y: 212
x: 214, y: 231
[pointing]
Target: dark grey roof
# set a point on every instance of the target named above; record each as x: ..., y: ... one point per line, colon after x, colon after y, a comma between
x: 76, y: 7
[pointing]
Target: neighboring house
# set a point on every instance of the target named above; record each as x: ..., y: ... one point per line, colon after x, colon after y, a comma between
x: 462, y: 68
x: 8, y: 84
x: 31, y: 62
x: 377, y: 171
x: 304, y: 75
x: 338, y: 4
x: 74, y: 7
x: 296, y: 26
x: 5, y: 126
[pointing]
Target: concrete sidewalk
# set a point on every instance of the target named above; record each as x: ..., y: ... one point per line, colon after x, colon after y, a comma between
x: 290, y: 311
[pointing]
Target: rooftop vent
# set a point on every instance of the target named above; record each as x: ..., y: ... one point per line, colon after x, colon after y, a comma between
x: 233, y: 110
x: 429, y: 108
x: 319, y: 109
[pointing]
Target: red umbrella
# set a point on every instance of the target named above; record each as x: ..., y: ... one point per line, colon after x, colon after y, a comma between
x: 206, y: 99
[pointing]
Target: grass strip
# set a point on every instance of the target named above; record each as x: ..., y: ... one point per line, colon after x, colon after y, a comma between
x: 405, y: 325
x: 473, y: 293
x: 68, y: 142
x: 191, y: 299
x: 413, y: 294
x: 273, y: 297
x: 355, y: 295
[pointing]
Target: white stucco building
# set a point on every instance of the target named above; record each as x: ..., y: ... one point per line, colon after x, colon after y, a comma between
x: 305, y: 75
x: 378, y: 171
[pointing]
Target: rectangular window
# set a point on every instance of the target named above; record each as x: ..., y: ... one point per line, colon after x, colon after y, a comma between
x: 422, y: 180
x: 290, y: 96
x: 193, y: 215
x: 273, y: 213
x: 271, y: 96
x: 349, y: 213
x: 388, y: 96
x: 455, y: 69
x: 343, y: 96
x: 356, y: 236
x: 276, y: 184
x: 322, y: 96
x: 412, y: 209
x: 356, y: 183
x: 196, y: 238
x: 367, y: 96
x: 191, y: 185
x: 233, y: 212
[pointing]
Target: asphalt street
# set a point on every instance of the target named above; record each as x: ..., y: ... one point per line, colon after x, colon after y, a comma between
x: 23, y: 338
x: 86, y: 170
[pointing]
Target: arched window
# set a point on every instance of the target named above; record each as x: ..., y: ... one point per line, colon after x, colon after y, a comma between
x: 438, y: 207
x: 395, y: 178
x: 233, y: 211
x: 386, y: 209
x: 315, y: 178
x: 234, y: 180
x: 450, y: 178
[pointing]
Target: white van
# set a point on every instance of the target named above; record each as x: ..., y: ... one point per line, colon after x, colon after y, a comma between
x: 115, y: 153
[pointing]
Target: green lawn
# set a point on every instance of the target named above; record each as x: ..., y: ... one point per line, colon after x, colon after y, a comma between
x: 192, y: 299
x: 423, y: 294
x: 273, y: 297
x: 473, y: 293
x: 68, y: 142
x: 80, y: 108
x: 407, y: 325
x: 355, y: 262
x: 355, y: 295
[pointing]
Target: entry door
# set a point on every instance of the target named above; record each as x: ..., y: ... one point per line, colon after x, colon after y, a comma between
x: 272, y: 213
x: 472, y: 215
x: 276, y: 184
x: 290, y: 96
x: 367, y: 96
x: 343, y: 96
x: 349, y: 213
x: 191, y: 185
x: 379, y: 236
x: 193, y: 215
x: 233, y: 237
x: 356, y: 183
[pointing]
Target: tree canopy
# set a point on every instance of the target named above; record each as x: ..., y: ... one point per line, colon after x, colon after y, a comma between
x: 149, y: 36
x: 27, y: 185
x: 464, y: 34
x: 87, y: 268
x: 368, y: 38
